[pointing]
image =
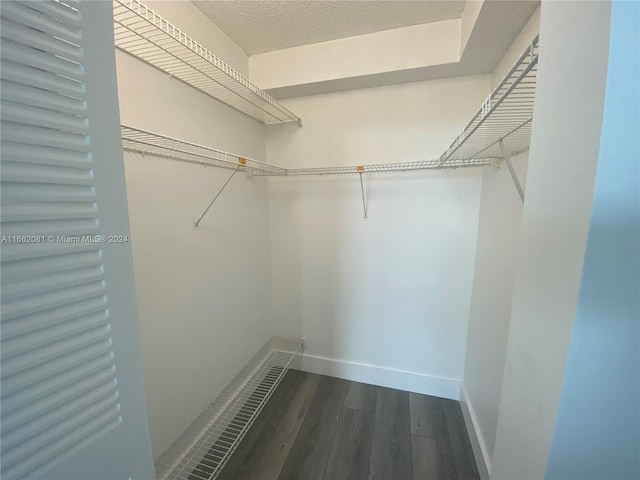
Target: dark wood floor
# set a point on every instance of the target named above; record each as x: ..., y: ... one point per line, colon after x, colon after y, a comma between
x: 323, y: 428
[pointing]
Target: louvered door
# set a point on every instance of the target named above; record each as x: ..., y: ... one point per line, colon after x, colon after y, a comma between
x: 72, y: 398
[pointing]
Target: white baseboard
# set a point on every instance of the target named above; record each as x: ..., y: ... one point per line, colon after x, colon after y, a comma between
x: 384, y: 377
x: 475, y: 435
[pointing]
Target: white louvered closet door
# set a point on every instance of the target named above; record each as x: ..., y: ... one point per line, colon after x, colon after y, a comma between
x: 72, y: 398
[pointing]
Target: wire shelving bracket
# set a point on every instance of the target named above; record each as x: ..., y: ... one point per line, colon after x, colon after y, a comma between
x: 197, y: 222
x: 364, y: 202
x: 512, y: 171
x: 143, y: 33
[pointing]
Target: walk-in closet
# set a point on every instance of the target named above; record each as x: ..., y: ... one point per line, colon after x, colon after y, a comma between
x: 320, y: 240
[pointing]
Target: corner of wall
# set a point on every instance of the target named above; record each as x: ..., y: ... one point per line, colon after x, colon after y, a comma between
x: 480, y: 452
x: 566, y: 130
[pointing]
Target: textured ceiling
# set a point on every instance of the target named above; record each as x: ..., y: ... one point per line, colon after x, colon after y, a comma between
x: 267, y: 25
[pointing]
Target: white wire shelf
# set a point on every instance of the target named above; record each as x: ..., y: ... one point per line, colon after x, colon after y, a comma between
x: 382, y: 167
x: 203, y: 449
x: 505, y: 115
x: 143, y: 33
x: 146, y: 142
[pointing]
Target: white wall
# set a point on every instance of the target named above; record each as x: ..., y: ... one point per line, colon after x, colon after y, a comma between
x: 496, y: 253
x: 555, y: 219
x: 495, y: 264
x: 597, y: 432
x: 412, y: 47
x: 392, y: 291
x: 203, y: 294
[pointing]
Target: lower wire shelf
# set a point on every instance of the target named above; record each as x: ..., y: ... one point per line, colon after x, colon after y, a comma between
x: 203, y: 449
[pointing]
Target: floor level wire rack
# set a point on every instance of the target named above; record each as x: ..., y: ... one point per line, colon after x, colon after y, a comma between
x: 203, y: 449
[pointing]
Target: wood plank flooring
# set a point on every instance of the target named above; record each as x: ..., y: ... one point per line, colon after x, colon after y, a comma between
x: 323, y: 428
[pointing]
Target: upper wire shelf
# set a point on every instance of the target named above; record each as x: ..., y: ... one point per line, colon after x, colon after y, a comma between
x: 505, y: 115
x: 146, y: 35
x: 143, y: 141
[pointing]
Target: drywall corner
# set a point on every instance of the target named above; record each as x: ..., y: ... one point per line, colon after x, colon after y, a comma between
x: 565, y: 142
x: 480, y: 452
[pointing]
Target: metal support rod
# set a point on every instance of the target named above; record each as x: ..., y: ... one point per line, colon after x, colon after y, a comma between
x: 217, y: 195
x: 511, y: 170
x: 364, y: 203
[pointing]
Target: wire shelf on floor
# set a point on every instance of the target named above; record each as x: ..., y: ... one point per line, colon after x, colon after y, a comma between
x: 143, y: 141
x: 505, y: 115
x: 202, y: 451
x: 145, y: 34
x: 382, y: 167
